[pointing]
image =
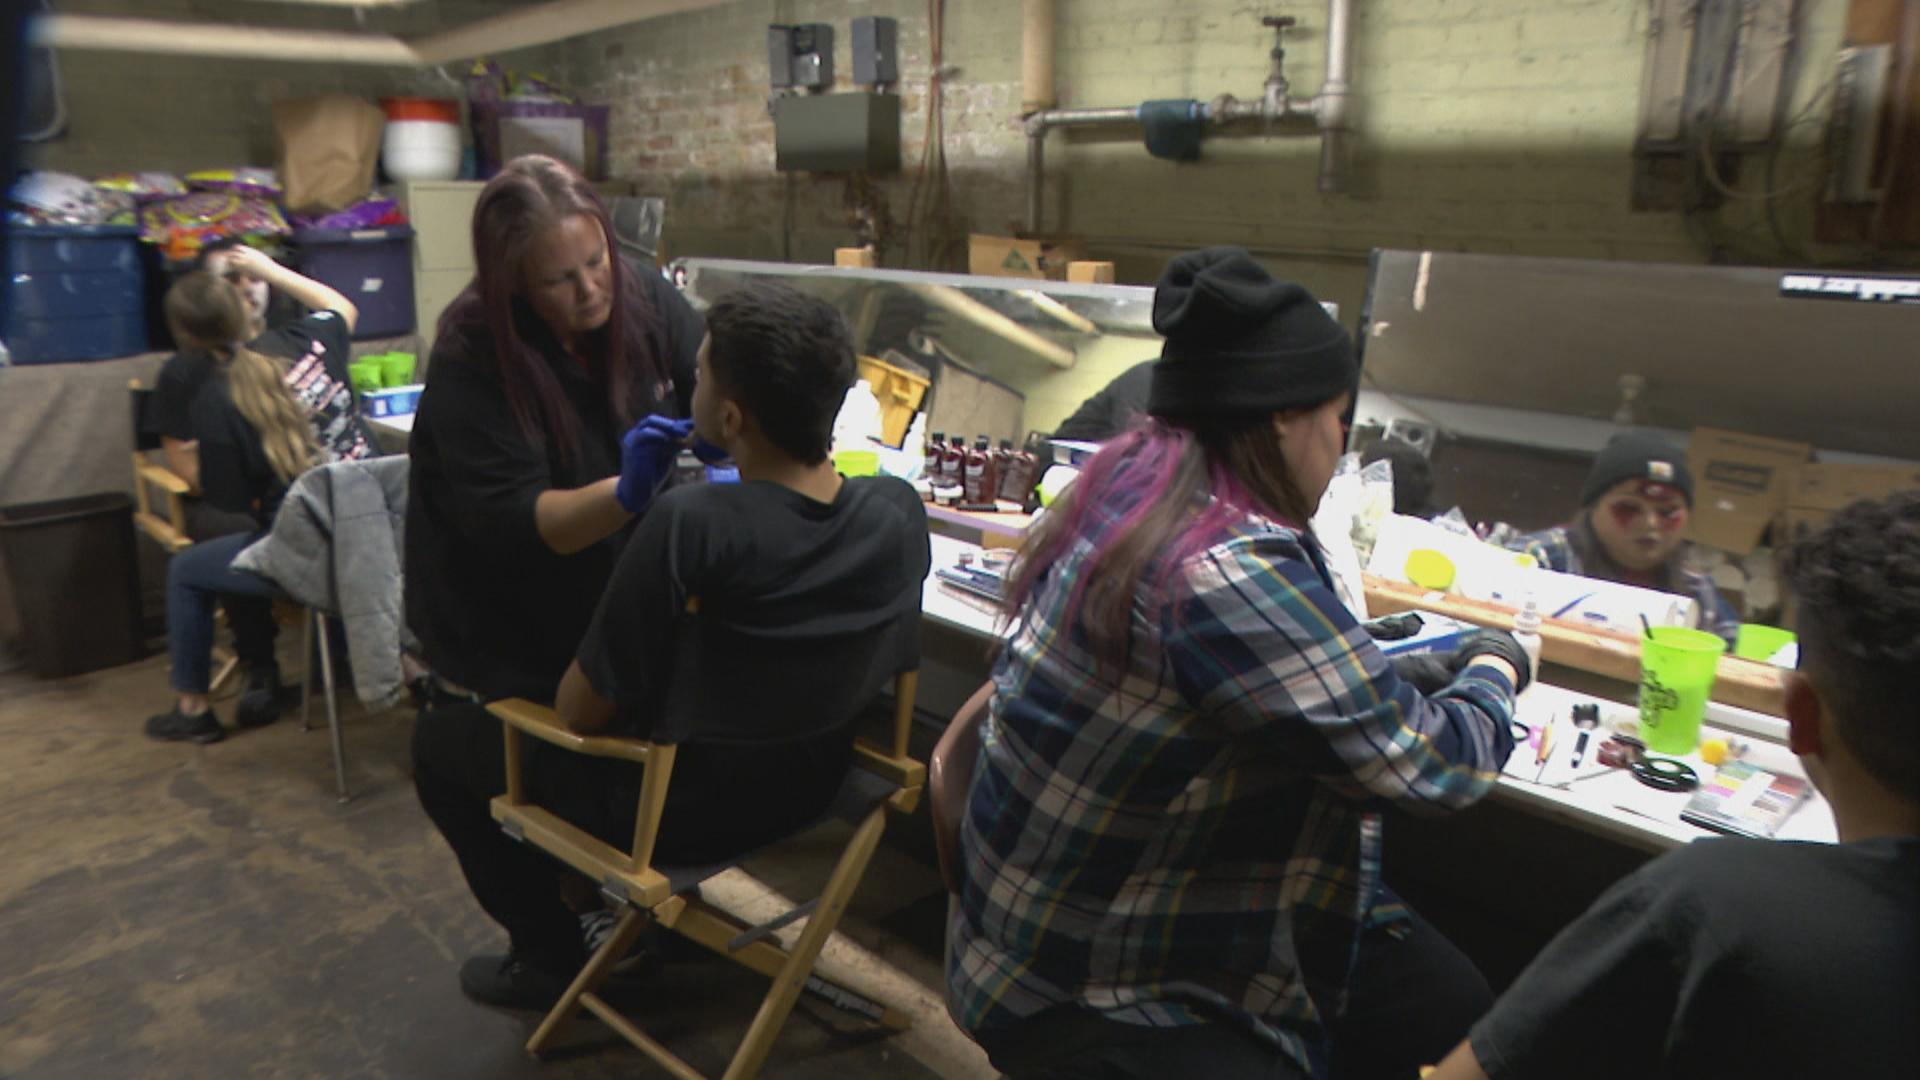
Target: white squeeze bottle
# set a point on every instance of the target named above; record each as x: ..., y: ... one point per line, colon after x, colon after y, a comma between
x: 1526, y: 631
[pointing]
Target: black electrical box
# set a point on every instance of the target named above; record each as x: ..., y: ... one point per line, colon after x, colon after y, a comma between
x: 800, y: 56
x: 876, y: 56
x: 857, y: 132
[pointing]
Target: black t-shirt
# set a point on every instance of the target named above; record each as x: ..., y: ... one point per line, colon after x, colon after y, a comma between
x: 497, y: 611
x: 185, y: 374
x: 805, y: 610
x: 234, y: 472
x: 1728, y: 958
x: 1112, y: 410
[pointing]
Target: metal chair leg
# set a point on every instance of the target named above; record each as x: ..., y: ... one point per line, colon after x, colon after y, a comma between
x: 317, y: 621
x: 306, y: 670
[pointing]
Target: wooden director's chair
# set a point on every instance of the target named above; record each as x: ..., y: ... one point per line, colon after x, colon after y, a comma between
x: 882, y: 781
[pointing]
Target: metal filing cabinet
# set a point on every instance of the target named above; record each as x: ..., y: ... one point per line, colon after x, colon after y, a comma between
x: 442, y: 215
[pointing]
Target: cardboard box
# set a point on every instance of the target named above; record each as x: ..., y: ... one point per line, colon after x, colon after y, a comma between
x: 1014, y: 256
x: 1816, y: 491
x: 1739, y: 486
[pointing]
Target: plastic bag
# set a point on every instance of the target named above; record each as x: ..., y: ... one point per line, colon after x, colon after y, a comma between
x: 1340, y: 516
x: 365, y: 214
x: 183, y: 225
x: 248, y: 180
x: 1375, y: 503
x: 143, y: 186
x: 56, y: 198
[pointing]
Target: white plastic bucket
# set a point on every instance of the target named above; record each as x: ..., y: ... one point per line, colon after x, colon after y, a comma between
x: 421, y: 150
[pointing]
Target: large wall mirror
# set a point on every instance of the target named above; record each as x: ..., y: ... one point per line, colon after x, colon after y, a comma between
x: 1506, y: 376
x: 1515, y: 372
x: 1005, y: 355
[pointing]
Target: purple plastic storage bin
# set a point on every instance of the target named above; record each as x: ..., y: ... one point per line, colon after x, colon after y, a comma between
x: 373, y: 267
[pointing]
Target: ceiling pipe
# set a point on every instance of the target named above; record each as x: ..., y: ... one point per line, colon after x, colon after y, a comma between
x: 1036, y: 56
x: 545, y: 23
x: 1328, y: 110
x: 1330, y: 105
x: 103, y: 33
x: 518, y: 29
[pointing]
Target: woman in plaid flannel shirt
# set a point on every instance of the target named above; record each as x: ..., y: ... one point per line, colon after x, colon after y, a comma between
x: 1170, y: 846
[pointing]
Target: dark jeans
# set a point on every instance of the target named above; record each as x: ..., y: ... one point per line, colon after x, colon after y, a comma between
x: 1412, y: 998
x: 459, y: 764
x: 197, y: 578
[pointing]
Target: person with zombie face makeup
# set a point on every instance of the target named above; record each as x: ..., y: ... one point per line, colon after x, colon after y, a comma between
x: 1630, y: 529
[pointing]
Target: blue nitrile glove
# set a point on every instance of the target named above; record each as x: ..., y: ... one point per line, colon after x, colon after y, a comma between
x: 708, y: 453
x: 646, y: 455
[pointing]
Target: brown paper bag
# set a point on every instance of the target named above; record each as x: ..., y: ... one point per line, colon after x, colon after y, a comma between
x: 328, y: 147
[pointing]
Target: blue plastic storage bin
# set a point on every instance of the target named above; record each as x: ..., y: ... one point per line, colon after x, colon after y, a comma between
x: 79, y: 293
x: 372, y: 267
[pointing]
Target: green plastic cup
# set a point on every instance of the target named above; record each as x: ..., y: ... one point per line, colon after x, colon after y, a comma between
x: 1758, y: 641
x: 1677, y: 668
x: 365, y: 375
x: 857, y: 463
x: 396, y: 368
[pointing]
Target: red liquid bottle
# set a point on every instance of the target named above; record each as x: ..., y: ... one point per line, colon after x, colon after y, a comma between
x: 978, y: 487
x: 953, y: 461
x: 1016, y: 482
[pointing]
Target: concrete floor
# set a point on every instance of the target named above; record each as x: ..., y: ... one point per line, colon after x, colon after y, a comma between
x: 182, y: 911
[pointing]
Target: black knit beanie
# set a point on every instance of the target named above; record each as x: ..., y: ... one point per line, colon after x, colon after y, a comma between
x: 1637, y: 455
x: 1241, y: 343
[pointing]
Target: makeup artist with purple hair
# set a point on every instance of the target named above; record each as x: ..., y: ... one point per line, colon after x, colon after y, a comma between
x: 1171, y: 845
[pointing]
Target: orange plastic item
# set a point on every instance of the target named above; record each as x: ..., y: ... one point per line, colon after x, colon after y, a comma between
x: 443, y: 110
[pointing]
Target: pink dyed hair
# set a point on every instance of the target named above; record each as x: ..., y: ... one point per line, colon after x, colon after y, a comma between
x: 1186, y: 485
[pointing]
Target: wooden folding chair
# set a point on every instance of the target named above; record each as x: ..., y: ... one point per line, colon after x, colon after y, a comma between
x: 882, y: 781
x: 170, y: 531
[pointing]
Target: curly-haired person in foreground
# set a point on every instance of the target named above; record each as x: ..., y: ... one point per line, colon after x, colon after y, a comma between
x: 1758, y: 957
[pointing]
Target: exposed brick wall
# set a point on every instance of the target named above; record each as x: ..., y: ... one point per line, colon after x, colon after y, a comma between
x: 1486, y: 125
x: 689, y: 96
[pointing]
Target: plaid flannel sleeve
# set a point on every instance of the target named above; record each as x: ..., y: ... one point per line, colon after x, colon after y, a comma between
x: 1262, y: 645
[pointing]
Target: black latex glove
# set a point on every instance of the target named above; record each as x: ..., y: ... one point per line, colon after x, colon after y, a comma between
x: 1495, y: 643
x: 1427, y: 673
x: 1394, y: 627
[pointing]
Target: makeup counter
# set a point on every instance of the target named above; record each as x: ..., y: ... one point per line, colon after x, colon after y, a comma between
x: 1508, y: 375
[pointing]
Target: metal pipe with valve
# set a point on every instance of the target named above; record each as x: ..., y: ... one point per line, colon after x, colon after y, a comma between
x: 1328, y: 109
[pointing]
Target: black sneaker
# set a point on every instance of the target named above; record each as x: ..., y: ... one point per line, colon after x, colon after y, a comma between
x: 176, y: 726
x: 264, y: 699
x: 511, y: 983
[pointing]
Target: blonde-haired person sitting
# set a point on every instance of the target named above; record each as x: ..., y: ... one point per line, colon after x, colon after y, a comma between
x: 260, y: 423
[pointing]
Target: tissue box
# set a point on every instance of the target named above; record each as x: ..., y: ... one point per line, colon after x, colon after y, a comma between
x: 394, y: 401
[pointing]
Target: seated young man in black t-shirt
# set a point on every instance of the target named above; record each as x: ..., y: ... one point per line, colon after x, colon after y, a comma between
x: 1741, y: 958
x: 808, y: 586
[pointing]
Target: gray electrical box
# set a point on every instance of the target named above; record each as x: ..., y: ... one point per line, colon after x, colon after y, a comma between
x: 875, y: 51
x: 800, y: 56
x: 857, y: 132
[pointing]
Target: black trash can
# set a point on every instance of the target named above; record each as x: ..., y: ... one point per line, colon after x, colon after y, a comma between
x: 72, y: 567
